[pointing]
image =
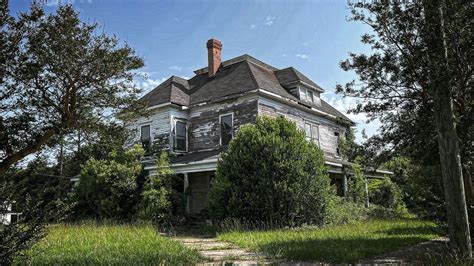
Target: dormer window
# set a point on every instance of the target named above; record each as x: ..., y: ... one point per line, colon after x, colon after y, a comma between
x: 308, y: 95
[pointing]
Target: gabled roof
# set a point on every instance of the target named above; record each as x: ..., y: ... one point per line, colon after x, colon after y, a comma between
x: 235, y: 77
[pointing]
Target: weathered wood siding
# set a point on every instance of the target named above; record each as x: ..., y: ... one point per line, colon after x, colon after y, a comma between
x: 204, y: 127
x: 160, y: 122
x: 327, y: 138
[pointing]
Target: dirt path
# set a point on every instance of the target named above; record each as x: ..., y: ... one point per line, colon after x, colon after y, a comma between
x: 224, y: 253
x: 412, y: 255
x: 218, y: 252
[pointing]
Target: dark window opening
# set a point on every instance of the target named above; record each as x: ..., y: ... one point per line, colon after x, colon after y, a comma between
x: 145, y: 138
x: 227, y: 125
x: 180, y: 136
x: 338, y: 151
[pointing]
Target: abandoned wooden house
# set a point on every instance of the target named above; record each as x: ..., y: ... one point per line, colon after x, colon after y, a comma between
x: 196, y: 118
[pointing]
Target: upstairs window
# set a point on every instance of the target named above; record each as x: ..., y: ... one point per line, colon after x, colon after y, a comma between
x: 312, y: 132
x: 180, y: 136
x: 227, y: 128
x: 338, y: 151
x: 303, y: 94
x: 145, y: 137
x: 310, y: 96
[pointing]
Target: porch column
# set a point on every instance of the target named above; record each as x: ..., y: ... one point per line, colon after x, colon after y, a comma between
x: 367, y: 203
x: 344, y: 185
x: 186, y: 184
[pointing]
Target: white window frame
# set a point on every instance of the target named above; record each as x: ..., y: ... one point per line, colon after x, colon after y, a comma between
x: 312, y: 125
x: 220, y: 126
x: 140, y: 129
x: 175, y: 135
x: 311, y: 99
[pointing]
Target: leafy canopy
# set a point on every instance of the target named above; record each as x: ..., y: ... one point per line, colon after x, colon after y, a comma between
x: 58, y: 74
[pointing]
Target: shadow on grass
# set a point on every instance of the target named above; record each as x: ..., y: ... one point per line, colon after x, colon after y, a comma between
x: 401, y: 230
x: 336, y: 250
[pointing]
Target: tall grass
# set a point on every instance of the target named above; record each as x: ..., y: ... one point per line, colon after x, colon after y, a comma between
x: 91, y: 243
x: 337, y: 244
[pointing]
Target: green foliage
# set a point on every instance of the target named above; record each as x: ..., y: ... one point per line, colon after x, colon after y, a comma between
x: 20, y: 235
x: 345, y: 212
x: 156, y: 202
x: 108, y: 244
x: 108, y: 187
x: 421, y: 187
x: 387, y: 194
x: 59, y: 74
x: 356, y: 185
x: 41, y: 184
x: 271, y: 174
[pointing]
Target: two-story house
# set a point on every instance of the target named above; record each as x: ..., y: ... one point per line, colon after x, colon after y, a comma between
x: 196, y: 118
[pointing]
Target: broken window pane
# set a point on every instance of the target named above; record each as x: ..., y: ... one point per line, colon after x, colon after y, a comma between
x: 180, y: 131
x: 226, y: 129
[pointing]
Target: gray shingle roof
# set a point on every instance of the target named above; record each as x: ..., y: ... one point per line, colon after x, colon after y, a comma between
x: 235, y: 77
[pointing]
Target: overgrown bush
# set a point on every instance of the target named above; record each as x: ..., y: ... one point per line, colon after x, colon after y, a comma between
x: 345, y: 212
x: 356, y: 185
x: 387, y: 194
x: 156, y: 196
x: 421, y: 187
x: 108, y: 188
x: 271, y: 174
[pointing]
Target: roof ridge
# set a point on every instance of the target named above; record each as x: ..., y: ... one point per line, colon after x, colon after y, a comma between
x: 238, y: 59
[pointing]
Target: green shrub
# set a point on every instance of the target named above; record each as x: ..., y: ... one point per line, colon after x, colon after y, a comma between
x: 270, y: 174
x: 356, y: 185
x: 345, y: 212
x: 386, y: 194
x: 155, y: 199
x: 108, y: 188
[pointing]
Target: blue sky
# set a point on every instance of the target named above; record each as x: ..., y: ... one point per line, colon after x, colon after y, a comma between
x: 312, y: 36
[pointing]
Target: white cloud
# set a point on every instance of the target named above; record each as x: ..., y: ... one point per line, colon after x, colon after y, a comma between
x: 253, y: 26
x: 176, y: 68
x: 303, y: 56
x: 269, y: 20
x: 305, y: 44
x: 148, y: 84
x: 343, y: 105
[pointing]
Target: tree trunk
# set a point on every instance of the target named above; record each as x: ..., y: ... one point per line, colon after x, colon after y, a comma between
x: 448, y: 144
x: 34, y: 147
x: 452, y: 174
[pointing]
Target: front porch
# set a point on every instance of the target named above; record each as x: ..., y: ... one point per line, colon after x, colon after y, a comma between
x: 198, y: 169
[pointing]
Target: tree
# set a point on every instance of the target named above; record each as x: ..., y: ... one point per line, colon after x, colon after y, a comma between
x: 37, y: 207
x: 108, y: 188
x: 419, y: 66
x: 270, y: 174
x: 58, y: 74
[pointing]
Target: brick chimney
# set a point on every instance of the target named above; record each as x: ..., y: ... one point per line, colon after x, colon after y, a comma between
x: 214, y: 48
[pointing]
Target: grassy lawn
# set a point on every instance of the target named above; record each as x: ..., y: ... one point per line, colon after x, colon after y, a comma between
x: 88, y: 244
x: 348, y: 243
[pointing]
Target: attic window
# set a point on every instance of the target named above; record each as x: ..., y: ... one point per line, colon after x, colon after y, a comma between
x: 227, y: 128
x: 310, y: 96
